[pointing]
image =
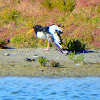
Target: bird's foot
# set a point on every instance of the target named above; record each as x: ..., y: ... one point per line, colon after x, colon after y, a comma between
x: 65, y: 52
x: 46, y: 49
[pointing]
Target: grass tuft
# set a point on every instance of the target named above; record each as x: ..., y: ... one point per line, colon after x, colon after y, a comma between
x: 79, y: 59
x: 42, y: 60
x: 71, y: 55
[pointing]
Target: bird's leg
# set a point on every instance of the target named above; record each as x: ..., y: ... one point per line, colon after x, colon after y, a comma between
x: 48, y: 43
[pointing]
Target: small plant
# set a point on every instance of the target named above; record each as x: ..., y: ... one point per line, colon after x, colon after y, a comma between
x: 75, y: 45
x: 2, y: 42
x: 54, y: 63
x: 42, y: 60
x: 71, y: 55
x: 79, y: 59
x: 65, y: 5
x: 48, y: 3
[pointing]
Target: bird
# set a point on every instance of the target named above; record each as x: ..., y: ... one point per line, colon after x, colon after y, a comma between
x: 52, y: 33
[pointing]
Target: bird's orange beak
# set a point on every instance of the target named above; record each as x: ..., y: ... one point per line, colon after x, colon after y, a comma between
x: 30, y: 31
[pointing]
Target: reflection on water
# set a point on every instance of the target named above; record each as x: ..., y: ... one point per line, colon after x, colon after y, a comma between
x: 42, y: 88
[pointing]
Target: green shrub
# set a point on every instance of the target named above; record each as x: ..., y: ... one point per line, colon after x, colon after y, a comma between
x: 42, y: 60
x: 2, y: 42
x: 75, y: 45
x: 54, y: 63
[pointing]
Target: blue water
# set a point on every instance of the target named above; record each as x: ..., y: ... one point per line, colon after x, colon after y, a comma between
x: 42, y: 88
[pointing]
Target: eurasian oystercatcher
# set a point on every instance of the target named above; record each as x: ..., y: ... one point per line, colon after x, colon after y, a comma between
x: 51, y: 33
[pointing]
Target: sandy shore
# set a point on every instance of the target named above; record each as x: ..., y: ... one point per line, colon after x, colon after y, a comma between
x: 13, y: 63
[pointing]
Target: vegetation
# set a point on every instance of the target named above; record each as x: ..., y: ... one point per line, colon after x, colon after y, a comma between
x: 42, y: 60
x: 54, y: 63
x: 81, y: 19
x: 79, y: 59
x: 71, y: 55
x: 62, y: 5
x: 2, y: 42
x: 75, y: 45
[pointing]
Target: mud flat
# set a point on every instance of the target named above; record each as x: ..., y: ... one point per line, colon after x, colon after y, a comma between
x: 13, y: 63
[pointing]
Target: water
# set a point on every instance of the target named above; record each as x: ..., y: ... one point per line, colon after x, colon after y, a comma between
x: 42, y: 88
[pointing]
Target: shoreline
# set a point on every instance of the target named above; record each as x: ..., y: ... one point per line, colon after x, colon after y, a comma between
x: 12, y: 63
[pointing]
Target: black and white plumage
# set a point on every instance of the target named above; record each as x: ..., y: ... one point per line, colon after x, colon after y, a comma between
x: 51, y: 33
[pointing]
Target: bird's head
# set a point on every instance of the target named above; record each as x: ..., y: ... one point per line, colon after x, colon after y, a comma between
x: 35, y: 28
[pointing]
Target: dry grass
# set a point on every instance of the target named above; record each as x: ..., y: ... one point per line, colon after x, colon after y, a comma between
x: 18, y: 16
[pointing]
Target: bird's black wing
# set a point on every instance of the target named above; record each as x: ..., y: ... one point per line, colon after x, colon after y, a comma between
x: 44, y: 29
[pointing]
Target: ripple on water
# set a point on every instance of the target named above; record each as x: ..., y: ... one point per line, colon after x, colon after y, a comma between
x: 41, y: 88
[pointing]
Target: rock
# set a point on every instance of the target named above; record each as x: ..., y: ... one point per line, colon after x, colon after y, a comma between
x: 77, y: 64
x: 29, y: 59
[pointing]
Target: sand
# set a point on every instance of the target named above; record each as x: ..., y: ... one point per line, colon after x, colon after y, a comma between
x: 13, y: 63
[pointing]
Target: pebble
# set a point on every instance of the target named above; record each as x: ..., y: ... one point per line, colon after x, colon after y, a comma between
x: 77, y: 64
x: 35, y: 56
x: 6, y: 54
x: 57, y: 58
x: 14, y: 53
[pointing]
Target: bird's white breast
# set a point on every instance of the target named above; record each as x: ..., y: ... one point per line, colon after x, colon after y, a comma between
x: 41, y: 35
